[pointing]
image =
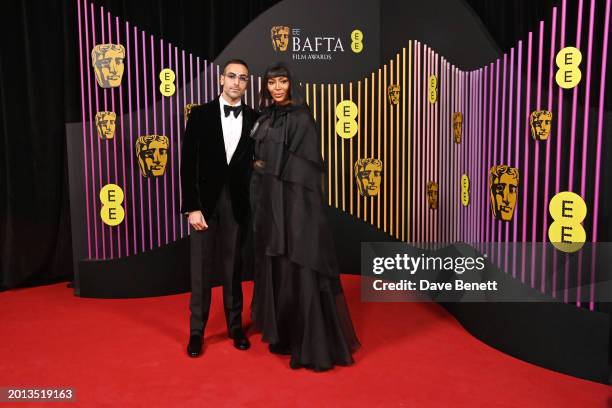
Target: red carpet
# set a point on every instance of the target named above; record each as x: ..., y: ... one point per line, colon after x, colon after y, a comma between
x: 120, y: 353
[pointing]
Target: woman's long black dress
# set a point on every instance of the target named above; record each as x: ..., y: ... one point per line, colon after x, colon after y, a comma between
x: 298, y: 303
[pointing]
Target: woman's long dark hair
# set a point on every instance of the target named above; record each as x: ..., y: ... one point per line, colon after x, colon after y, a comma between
x: 295, y: 94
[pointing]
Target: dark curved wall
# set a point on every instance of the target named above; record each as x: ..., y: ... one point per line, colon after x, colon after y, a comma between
x: 450, y: 27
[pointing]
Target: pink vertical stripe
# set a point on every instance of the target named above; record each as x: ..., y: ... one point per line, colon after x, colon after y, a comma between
x: 425, y: 142
x: 444, y: 148
x: 449, y: 149
x: 574, y: 105
x: 94, y: 220
x: 191, y: 79
x: 460, y: 151
x: 585, y: 137
x: 475, y: 161
x: 184, y: 70
x: 496, y: 127
x: 465, y: 150
x: 154, y: 79
x: 179, y: 129
x: 106, y: 143
x: 509, y: 140
x: 490, y: 160
x: 502, y: 138
x: 517, y: 139
x: 102, y: 229
x: 524, y: 178
x: 412, y: 97
x: 573, y: 145
x: 139, y: 133
x: 199, y: 85
x: 206, y: 81
x: 471, y: 148
x: 441, y: 168
x: 430, y: 148
x: 536, y: 161
x: 147, y: 130
x: 122, y: 142
x: 553, y: 38
x: 484, y: 137
x: 173, y: 149
x: 469, y: 151
x: 474, y: 203
x: 558, y: 139
x: 417, y: 141
x: 439, y: 156
x: 154, y: 103
x: 417, y: 103
x: 170, y: 167
x: 131, y: 131
x: 114, y: 143
x: 103, y: 42
x: 452, y: 149
x: 602, y: 89
x: 478, y: 164
x: 83, y: 119
x: 471, y: 145
x: 434, y: 131
x: 419, y: 186
x: 252, y: 93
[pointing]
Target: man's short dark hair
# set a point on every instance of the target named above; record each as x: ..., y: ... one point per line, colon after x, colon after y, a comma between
x: 235, y: 61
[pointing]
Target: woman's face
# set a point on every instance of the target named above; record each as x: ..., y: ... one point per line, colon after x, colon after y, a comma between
x: 279, y: 89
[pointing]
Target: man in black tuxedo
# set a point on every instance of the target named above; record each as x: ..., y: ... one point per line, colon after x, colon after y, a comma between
x: 215, y: 172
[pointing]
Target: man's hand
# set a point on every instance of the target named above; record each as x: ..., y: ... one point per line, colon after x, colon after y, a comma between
x: 197, y: 221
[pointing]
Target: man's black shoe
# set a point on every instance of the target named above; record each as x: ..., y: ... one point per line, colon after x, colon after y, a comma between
x: 241, y: 342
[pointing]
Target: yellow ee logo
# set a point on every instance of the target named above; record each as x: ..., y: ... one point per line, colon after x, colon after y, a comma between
x: 357, y: 41
x: 465, y: 190
x: 346, y: 112
x: 111, y: 197
x: 433, y: 88
x: 568, y: 75
x: 167, y: 77
x: 568, y: 210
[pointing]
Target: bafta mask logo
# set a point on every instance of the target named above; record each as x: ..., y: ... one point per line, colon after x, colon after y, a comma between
x: 504, y: 188
x: 368, y: 173
x: 280, y: 38
x: 187, y: 110
x: 394, y: 94
x: 152, y: 154
x: 105, y: 123
x: 540, y: 122
x: 107, y: 61
x: 432, y: 195
x: 457, y: 126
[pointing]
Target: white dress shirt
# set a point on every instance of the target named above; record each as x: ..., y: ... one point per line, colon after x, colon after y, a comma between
x: 232, y: 128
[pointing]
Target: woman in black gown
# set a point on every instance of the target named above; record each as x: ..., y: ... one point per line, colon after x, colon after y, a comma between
x: 298, y: 303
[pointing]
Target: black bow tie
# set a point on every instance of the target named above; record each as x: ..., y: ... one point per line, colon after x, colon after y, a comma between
x: 236, y: 109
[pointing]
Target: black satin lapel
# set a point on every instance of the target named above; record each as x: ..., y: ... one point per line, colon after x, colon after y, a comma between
x: 247, y: 123
x: 218, y: 129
